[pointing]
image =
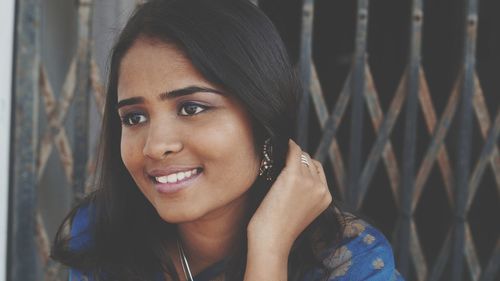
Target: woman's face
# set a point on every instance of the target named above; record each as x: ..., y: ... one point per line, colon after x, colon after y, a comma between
x: 188, y: 146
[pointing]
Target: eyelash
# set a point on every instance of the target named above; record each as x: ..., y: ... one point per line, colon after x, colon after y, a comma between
x: 126, y: 119
x: 184, y: 105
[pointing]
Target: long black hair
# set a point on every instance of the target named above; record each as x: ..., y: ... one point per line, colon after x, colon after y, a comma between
x: 233, y: 45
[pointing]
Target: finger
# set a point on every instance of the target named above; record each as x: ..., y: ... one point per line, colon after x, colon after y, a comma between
x: 306, y: 163
x: 293, y: 156
x: 320, y: 171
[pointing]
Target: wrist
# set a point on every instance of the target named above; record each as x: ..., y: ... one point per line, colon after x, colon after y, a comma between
x: 266, y: 262
x: 268, y: 242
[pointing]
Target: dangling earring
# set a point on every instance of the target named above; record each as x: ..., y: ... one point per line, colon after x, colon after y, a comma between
x: 266, y: 164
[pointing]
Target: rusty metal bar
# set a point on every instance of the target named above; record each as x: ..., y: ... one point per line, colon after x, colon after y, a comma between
x: 357, y: 101
x: 56, y: 114
x: 418, y: 257
x: 322, y: 114
x: 81, y: 100
x: 23, y: 259
x: 53, y: 271
x: 42, y: 239
x: 333, y: 122
x: 443, y: 157
x: 486, y: 155
x: 51, y: 267
x: 377, y: 116
x: 382, y: 138
x: 305, y: 71
x: 471, y: 255
x: 441, y: 260
x: 464, y: 140
x: 493, y: 266
x: 426, y: 166
x: 97, y: 86
x: 484, y: 123
x: 437, y: 141
x: 410, y: 137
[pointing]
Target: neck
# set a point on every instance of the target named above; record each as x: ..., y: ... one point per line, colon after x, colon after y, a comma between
x: 214, y: 236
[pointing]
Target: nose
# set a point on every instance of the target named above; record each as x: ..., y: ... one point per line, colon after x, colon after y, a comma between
x: 162, y: 141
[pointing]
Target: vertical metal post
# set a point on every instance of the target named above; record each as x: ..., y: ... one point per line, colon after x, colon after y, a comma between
x: 22, y: 246
x: 358, y: 91
x: 305, y: 71
x: 410, y: 137
x: 82, y: 97
x: 464, y: 140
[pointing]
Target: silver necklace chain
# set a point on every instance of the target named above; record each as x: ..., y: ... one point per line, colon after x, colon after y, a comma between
x: 184, y: 262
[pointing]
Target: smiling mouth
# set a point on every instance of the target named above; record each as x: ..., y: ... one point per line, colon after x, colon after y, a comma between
x: 176, y: 177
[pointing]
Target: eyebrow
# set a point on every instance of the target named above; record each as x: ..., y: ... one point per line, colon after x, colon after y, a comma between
x: 170, y: 95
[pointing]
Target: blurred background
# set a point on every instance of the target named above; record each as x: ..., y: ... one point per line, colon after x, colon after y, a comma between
x: 401, y: 104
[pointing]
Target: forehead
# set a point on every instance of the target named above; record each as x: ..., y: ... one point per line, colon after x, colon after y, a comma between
x: 151, y: 66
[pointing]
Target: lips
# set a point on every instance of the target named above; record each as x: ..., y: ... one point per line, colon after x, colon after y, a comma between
x: 174, y: 178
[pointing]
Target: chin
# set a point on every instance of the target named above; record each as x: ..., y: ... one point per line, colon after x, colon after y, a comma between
x: 177, y: 216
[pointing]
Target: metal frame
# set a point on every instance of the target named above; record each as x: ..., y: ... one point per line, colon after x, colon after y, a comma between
x: 29, y: 242
x: 413, y: 90
x: 22, y: 246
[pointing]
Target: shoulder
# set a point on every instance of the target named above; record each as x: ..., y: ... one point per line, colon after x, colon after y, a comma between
x: 81, y: 238
x: 80, y: 231
x: 363, y: 254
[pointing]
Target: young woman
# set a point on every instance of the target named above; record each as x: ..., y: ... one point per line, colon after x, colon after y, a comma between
x: 199, y: 179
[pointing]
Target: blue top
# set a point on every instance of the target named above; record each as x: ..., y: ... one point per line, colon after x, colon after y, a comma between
x: 363, y: 254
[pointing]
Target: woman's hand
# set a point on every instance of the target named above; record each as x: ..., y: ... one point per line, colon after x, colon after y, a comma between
x: 298, y: 196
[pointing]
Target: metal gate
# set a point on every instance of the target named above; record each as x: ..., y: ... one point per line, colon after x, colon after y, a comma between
x: 420, y: 157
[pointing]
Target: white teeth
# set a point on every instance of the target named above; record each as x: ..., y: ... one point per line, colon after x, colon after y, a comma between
x: 161, y: 179
x: 173, y: 178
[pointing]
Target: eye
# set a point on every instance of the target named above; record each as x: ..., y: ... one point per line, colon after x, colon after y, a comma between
x: 191, y: 108
x: 134, y: 118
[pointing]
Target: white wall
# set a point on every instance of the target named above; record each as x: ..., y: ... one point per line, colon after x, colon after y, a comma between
x: 6, y: 54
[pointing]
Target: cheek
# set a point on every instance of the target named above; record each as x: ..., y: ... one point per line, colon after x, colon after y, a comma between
x: 233, y: 152
x: 129, y: 151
